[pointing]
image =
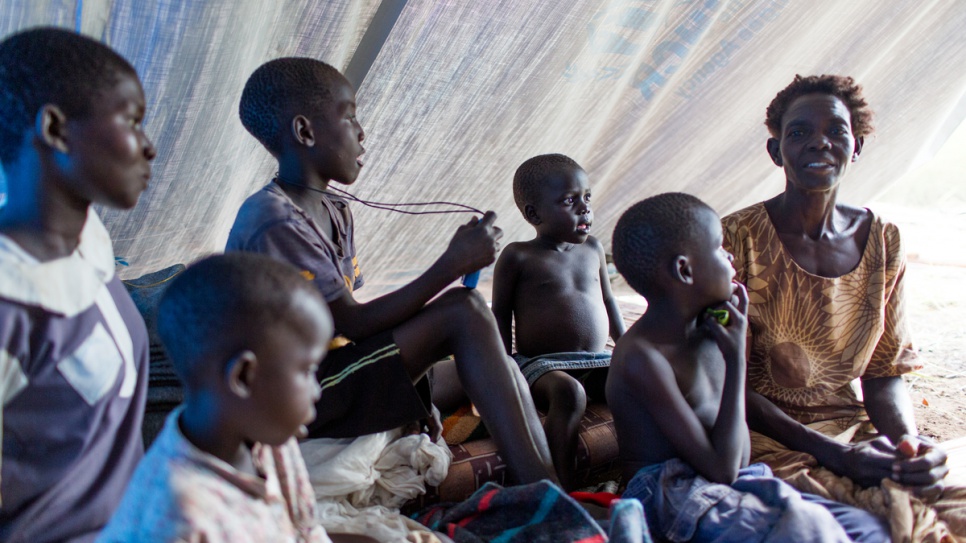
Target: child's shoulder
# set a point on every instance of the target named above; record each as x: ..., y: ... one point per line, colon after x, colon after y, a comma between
x: 535, y: 248
x: 635, y: 348
x: 593, y: 243
x: 518, y: 252
x: 262, y: 212
x: 592, y: 250
x: 267, y: 202
x: 535, y: 253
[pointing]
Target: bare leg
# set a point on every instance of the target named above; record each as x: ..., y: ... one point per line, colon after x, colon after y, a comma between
x: 563, y: 399
x: 448, y: 393
x: 460, y: 323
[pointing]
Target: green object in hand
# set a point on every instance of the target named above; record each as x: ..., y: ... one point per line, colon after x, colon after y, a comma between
x: 720, y: 315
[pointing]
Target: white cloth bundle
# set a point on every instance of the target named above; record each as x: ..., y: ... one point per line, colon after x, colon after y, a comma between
x: 360, y: 483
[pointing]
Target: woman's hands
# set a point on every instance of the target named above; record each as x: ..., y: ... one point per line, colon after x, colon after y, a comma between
x: 916, y: 463
x: 921, y: 464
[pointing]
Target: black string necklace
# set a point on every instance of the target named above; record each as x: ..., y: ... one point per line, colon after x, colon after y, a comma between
x: 389, y: 206
x: 469, y: 280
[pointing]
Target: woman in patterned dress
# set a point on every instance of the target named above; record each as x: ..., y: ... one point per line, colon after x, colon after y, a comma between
x: 828, y: 338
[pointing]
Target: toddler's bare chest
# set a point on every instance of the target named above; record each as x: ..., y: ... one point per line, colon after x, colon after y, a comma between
x: 561, y: 274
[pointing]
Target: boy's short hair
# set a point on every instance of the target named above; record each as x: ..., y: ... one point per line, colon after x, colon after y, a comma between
x: 282, y: 88
x: 220, y: 305
x: 51, y: 66
x: 652, y: 231
x: 842, y: 87
x: 531, y: 175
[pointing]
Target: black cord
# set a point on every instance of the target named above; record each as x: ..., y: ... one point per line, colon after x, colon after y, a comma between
x: 387, y: 206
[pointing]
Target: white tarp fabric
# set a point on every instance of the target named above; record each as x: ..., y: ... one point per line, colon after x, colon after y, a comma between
x: 648, y: 95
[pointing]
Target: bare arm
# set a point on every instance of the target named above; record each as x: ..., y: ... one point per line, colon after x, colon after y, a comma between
x: 473, y: 247
x: 504, y: 285
x: 731, y: 427
x: 678, y: 423
x: 718, y: 453
x: 921, y: 464
x: 889, y: 408
x: 866, y: 464
x: 768, y: 419
x: 614, y: 317
x: 890, y: 411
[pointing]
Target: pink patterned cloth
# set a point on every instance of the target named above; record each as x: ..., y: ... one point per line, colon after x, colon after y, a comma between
x: 180, y: 493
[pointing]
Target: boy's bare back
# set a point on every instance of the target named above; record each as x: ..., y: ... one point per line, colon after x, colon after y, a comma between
x: 556, y: 296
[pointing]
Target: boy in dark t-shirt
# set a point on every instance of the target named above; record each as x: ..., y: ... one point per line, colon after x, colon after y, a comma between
x: 303, y: 111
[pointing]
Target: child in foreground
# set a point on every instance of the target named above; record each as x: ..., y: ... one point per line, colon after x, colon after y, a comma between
x: 555, y: 287
x: 677, y: 391
x: 245, y: 335
x: 304, y: 112
x: 73, y: 348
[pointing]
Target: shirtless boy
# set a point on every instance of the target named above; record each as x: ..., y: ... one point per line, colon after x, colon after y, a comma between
x: 677, y: 391
x: 304, y: 112
x: 555, y: 286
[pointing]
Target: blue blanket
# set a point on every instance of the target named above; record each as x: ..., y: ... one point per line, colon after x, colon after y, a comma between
x: 681, y: 505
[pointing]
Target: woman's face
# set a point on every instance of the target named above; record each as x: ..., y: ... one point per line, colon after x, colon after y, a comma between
x: 816, y: 144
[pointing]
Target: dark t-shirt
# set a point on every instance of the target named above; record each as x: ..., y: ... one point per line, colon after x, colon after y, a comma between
x: 73, y: 380
x: 270, y: 223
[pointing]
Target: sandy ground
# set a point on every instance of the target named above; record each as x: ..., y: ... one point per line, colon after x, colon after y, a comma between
x: 929, y: 205
x: 936, y: 297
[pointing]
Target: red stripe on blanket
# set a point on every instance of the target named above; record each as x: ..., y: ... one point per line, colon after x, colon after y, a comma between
x: 485, y: 501
x: 603, y: 499
x: 482, y: 506
x: 593, y: 539
x: 465, y: 521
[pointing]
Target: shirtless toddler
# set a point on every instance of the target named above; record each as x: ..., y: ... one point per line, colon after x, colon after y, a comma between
x: 555, y: 287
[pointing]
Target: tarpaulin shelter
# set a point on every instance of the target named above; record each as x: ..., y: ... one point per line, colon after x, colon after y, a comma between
x: 648, y: 95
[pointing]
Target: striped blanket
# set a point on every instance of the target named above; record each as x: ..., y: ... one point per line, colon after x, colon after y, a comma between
x: 538, y: 512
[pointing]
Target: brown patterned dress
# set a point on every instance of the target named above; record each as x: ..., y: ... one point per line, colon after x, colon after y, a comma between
x: 810, y: 338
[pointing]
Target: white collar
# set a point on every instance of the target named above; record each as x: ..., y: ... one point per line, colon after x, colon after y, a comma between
x: 67, y: 285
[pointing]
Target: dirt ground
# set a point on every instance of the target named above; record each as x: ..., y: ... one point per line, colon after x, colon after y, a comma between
x: 937, y: 322
x: 935, y: 242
